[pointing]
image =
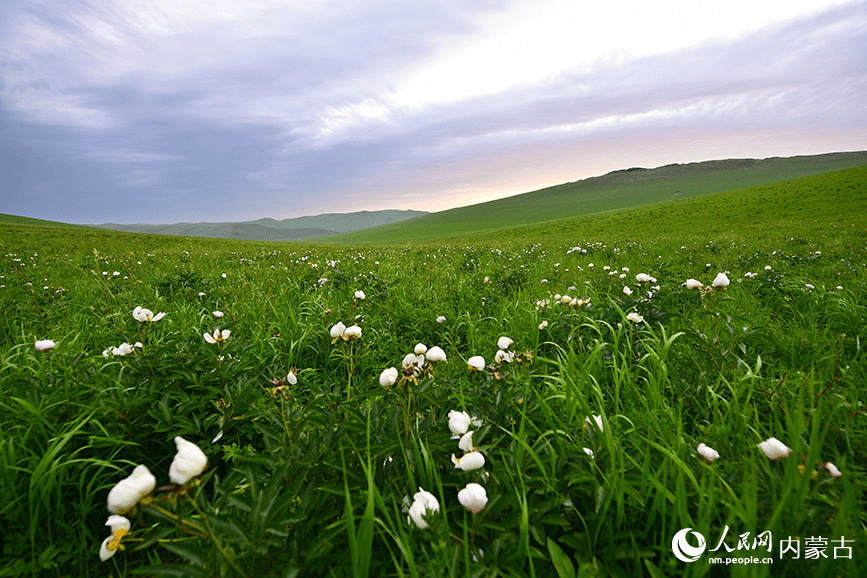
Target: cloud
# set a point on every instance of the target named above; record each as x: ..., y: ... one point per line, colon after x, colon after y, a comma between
x: 216, y: 110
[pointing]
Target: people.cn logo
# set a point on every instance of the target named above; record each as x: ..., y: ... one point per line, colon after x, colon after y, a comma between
x: 683, y: 550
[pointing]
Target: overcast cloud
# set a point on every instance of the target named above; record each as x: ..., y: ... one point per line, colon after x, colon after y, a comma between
x: 163, y: 111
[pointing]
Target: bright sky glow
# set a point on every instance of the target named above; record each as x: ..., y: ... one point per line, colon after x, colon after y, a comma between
x: 163, y: 111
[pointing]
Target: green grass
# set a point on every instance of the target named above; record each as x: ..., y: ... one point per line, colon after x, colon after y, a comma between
x: 311, y: 479
x: 617, y: 190
x: 16, y: 220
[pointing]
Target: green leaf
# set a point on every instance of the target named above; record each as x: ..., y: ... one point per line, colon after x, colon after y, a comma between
x: 561, y: 561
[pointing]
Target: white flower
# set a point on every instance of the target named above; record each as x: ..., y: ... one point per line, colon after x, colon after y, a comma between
x: 543, y: 325
x: 645, y: 278
x: 709, y: 454
x: 121, y: 350
x: 127, y: 492
x: 217, y: 314
x: 774, y: 449
x: 721, y: 281
x: 589, y: 452
x: 388, y: 377
x: 470, y: 461
x: 597, y: 419
x: 218, y: 337
x: 352, y: 333
x: 337, y: 331
x: 459, y: 422
x: 502, y: 356
x: 119, y: 528
x: 626, y: 290
x: 291, y: 378
x: 411, y: 360
x: 359, y: 295
x: 832, y: 469
x: 420, y: 349
x: 767, y: 267
x: 44, y: 345
x: 693, y: 284
x: 189, y: 462
x: 466, y: 442
x: 146, y: 315
x: 473, y: 497
x: 635, y: 317
x: 436, y: 353
x: 476, y: 363
x: 423, y: 502
x: 504, y: 343
x: 441, y: 319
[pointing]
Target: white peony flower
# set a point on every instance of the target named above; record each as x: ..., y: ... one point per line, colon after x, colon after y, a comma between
x: 721, y: 281
x: 146, y: 315
x: 832, y: 469
x: 436, y: 353
x: 121, y: 350
x: 597, y: 419
x: 217, y: 314
x: 774, y: 449
x: 119, y: 528
x: 589, y: 452
x: 44, y: 345
x: 635, y: 317
x: 466, y: 442
x: 413, y: 360
x: 218, y: 336
x: 459, y: 423
x: 423, y: 503
x: 626, y: 290
x: 476, y: 363
x: 360, y: 295
x: 709, y: 454
x: 645, y: 278
x: 693, y: 284
x: 388, y: 377
x: 503, y: 356
x: 127, y: 492
x: 189, y: 462
x: 473, y: 497
x: 337, y: 331
x: 470, y: 461
x: 420, y: 349
x: 441, y: 319
x: 352, y: 333
x: 504, y: 343
x: 291, y: 378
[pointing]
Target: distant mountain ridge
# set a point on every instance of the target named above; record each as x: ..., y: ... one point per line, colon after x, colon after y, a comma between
x: 268, y: 229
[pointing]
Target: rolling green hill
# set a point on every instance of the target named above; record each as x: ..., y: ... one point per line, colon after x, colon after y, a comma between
x: 616, y: 190
x: 15, y: 219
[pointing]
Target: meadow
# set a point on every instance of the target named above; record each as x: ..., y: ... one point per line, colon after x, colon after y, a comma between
x: 605, y: 366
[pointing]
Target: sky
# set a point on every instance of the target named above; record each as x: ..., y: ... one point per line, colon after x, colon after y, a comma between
x: 165, y: 111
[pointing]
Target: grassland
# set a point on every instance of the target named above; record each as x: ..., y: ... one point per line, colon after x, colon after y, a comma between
x: 317, y: 477
x: 618, y: 190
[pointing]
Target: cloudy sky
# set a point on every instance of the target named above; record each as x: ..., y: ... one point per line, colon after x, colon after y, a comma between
x: 159, y: 111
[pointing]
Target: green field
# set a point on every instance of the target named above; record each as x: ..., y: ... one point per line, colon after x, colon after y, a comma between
x: 614, y: 191
x: 589, y: 428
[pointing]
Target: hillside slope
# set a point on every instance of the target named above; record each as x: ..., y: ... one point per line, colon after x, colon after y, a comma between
x: 616, y: 190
